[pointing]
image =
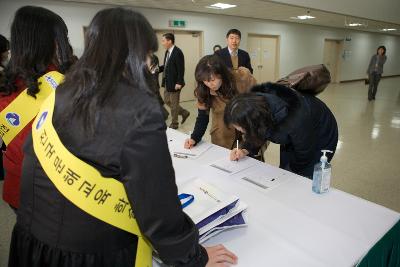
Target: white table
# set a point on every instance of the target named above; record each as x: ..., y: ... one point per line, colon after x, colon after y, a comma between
x: 289, y: 225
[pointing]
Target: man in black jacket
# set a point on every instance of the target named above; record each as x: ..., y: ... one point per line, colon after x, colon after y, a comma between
x: 173, y: 78
x: 232, y: 56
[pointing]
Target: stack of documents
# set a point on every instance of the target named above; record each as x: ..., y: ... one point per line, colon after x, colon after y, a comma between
x: 212, y: 210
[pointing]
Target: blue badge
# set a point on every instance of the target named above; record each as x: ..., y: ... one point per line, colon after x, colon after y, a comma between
x: 13, y: 118
x: 41, y: 120
x: 51, y: 81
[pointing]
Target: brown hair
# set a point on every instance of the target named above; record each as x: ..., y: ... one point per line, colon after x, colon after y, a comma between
x: 213, y: 65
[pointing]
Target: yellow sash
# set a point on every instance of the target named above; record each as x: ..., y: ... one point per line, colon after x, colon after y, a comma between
x: 24, y: 107
x: 103, y: 198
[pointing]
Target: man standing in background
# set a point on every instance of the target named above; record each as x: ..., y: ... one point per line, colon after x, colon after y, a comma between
x: 173, y: 78
x: 232, y: 56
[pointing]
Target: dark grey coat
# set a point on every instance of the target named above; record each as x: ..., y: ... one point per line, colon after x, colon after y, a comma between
x: 376, y: 64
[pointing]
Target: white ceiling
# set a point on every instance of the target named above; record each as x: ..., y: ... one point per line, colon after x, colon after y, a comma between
x: 382, y: 10
x: 259, y: 9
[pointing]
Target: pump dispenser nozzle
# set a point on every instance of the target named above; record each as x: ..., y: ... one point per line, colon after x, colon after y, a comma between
x: 324, y: 158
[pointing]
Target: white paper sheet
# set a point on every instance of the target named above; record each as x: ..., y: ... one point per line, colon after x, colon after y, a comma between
x: 228, y: 166
x: 193, y: 153
x: 263, y: 180
x: 176, y: 143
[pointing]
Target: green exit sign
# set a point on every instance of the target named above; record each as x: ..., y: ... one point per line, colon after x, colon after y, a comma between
x: 177, y: 23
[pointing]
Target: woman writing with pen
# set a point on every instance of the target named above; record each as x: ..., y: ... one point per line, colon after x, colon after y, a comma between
x: 302, y: 124
x: 216, y: 85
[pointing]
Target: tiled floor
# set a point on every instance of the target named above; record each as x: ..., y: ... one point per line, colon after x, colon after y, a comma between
x: 366, y: 164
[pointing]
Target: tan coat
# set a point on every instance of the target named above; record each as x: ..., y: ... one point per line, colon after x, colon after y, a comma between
x: 220, y: 134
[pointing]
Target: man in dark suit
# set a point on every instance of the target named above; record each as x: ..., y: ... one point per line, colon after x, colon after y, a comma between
x: 173, y: 78
x: 232, y: 56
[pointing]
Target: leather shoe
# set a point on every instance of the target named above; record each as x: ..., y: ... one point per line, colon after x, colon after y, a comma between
x: 185, y: 116
x: 173, y: 126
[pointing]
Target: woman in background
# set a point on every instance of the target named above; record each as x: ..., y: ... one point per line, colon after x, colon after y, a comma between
x: 375, y: 70
x: 4, y: 53
x: 216, y: 48
x: 216, y: 85
x: 4, y: 57
x: 39, y: 44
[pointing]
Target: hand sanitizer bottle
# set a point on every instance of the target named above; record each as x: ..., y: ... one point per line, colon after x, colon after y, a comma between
x: 322, y: 174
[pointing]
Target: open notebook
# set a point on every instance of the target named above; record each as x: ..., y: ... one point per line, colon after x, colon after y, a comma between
x: 212, y: 209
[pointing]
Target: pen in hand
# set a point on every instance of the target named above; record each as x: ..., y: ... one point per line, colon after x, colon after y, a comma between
x: 237, y: 150
x: 190, y: 137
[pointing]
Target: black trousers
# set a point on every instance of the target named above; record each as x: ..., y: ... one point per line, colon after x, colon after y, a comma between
x: 374, y: 79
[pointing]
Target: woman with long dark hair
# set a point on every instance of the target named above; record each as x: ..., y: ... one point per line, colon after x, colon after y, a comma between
x: 4, y: 52
x: 375, y: 70
x: 302, y: 124
x: 108, y: 119
x: 4, y: 57
x: 39, y: 44
x: 216, y: 85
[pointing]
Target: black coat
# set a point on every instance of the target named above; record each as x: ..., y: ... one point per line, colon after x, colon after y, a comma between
x: 129, y: 143
x: 304, y: 126
x: 243, y: 58
x: 174, y: 70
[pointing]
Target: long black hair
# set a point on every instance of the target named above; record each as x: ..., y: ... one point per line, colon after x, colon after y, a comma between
x: 4, y: 48
x: 117, y: 44
x: 216, y: 46
x: 39, y: 38
x: 208, y: 66
x: 384, y: 50
x: 4, y: 44
x: 251, y: 112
